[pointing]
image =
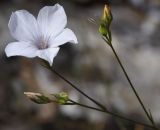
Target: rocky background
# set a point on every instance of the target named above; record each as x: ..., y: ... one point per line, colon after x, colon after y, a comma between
x: 90, y: 65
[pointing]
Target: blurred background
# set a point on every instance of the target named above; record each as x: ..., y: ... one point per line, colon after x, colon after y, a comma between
x: 90, y: 65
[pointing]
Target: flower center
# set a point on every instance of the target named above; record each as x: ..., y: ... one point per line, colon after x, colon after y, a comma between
x: 42, y: 45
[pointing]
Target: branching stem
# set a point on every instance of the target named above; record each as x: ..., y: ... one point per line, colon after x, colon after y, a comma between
x: 113, y: 114
x: 75, y: 87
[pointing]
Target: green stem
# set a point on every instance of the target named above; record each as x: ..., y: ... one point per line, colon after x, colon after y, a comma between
x: 103, y: 109
x: 113, y: 114
x: 75, y: 87
x: 133, y: 88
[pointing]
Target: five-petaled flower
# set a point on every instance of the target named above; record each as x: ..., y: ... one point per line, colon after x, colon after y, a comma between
x: 39, y: 37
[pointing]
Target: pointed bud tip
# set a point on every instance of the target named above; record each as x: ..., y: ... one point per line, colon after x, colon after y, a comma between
x: 38, y: 97
x: 31, y: 94
x: 107, y: 12
x: 106, y: 21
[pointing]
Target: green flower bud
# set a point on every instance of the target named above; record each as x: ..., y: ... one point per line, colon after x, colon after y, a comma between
x: 39, y: 98
x: 107, y: 16
x: 106, y: 20
x: 62, y: 98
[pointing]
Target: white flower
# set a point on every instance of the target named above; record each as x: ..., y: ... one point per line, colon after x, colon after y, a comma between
x: 39, y: 37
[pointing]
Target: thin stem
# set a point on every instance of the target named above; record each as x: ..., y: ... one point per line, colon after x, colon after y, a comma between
x: 93, y: 108
x: 113, y: 114
x: 103, y: 109
x: 75, y: 87
x: 133, y: 88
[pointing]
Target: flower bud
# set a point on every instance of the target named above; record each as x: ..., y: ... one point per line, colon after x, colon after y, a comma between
x: 107, y: 16
x: 39, y: 98
x: 62, y: 98
x: 106, y: 22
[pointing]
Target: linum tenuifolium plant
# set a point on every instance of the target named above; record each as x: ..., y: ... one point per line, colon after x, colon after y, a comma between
x: 42, y: 38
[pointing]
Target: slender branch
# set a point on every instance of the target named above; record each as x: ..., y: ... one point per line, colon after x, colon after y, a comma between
x: 113, y: 114
x: 133, y: 88
x: 75, y: 87
x: 103, y: 109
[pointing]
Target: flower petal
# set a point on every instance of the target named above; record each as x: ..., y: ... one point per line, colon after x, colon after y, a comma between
x: 66, y: 36
x: 20, y: 49
x: 23, y: 26
x: 51, y: 20
x: 48, y: 54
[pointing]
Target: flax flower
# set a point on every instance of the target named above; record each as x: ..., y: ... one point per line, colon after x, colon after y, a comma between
x: 39, y: 37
